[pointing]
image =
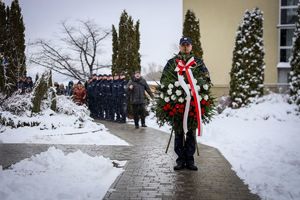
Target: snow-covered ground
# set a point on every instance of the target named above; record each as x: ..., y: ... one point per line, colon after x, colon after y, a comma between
x: 54, y: 175
x: 70, y: 125
x: 262, y: 143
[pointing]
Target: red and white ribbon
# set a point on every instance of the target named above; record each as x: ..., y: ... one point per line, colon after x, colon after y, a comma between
x: 182, y: 66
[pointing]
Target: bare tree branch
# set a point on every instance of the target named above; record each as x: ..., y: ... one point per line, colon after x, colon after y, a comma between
x: 77, y: 57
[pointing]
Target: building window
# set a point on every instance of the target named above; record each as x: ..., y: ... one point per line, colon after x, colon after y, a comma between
x: 288, y: 17
x: 289, y: 2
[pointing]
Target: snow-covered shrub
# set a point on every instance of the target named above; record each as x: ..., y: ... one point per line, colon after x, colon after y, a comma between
x: 18, y: 104
x: 294, y: 77
x: 247, y: 72
x: 40, y: 90
x: 52, y: 98
x: 15, y: 121
x: 66, y: 106
x: 269, y: 107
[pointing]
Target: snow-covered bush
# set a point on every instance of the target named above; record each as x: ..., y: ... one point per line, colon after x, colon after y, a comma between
x: 294, y: 77
x: 18, y: 104
x: 247, y: 73
x: 15, y: 121
x: 66, y: 106
x: 269, y: 107
x: 16, y: 112
x: 39, y: 91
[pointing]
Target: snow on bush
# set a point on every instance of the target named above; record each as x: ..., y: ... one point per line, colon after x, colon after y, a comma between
x: 68, y: 107
x: 16, y: 112
x: 272, y: 106
x: 18, y: 104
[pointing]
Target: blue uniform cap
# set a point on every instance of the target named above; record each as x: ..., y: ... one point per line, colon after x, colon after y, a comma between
x: 185, y: 40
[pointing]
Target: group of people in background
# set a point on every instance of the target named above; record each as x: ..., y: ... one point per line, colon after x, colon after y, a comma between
x: 107, y: 97
x: 25, y: 84
x: 76, y: 91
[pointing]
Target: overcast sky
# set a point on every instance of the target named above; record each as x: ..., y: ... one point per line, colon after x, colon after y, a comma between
x: 160, y: 22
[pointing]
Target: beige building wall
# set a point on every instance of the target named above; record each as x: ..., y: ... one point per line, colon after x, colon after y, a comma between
x: 219, y: 21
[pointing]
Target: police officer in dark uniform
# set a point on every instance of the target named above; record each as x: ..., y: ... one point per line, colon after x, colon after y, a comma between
x: 107, y: 97
x: 91, y: 96
x: 122, y: 98
x: 99, y: 96
x: 103, y: 95
x: 110, y: 105
x: 115, y: 96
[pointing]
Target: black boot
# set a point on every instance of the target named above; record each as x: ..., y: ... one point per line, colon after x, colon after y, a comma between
x: 143, y: 121
x: 179, y: 166
x: 192, y: 167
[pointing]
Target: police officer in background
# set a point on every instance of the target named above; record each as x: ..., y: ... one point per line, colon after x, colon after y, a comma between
x: 107, y: 84
x: 110, y: 98
x: 100, y: 96
x: 91, y: 95
x: 115, y: 96
x: 122, y: 98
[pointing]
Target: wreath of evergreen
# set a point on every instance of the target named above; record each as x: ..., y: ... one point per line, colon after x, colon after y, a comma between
x: 171, y: 98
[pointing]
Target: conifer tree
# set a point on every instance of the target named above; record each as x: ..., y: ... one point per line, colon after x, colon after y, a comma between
x: 247, y: 73
x: 191, y: 28
x: 138, y: 44
x: 10, y: 70
x: 236, y: 74
x: 115, y: 45
x: 128, y: 58
x: 122, y: 61
x: 17, y: 37
x: 39, y: 91
x: 294, y: 76
x: 2, y: 41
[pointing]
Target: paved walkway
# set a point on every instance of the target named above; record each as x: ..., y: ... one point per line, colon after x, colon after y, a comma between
x: 149, y: 171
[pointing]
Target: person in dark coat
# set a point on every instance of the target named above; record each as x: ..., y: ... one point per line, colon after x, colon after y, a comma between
x: 69, y: 89
x: 136, y: 91
x: 115, y: 98
x: 21, y: 85
x: 109, y: 98
x: 61, y: 89
x: 28, y: 85
x: 91, y: 95
x: 184, y: 147
x: 122, y: 98
x: 99, y: 95
x: 106, y: 87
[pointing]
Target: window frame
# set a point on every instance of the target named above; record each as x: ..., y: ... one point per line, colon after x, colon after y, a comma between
x: 283, y: 26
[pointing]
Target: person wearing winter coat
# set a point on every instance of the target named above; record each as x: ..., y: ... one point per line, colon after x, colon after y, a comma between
x: 184, y: 144
x: 136, y: 92
x: 69, y: 88
x: 122, y: 98
x: 91, y: 95
x: 21, y: 85
x: 28, y: 84
x: 79, y: 94
x: 61, y: 90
